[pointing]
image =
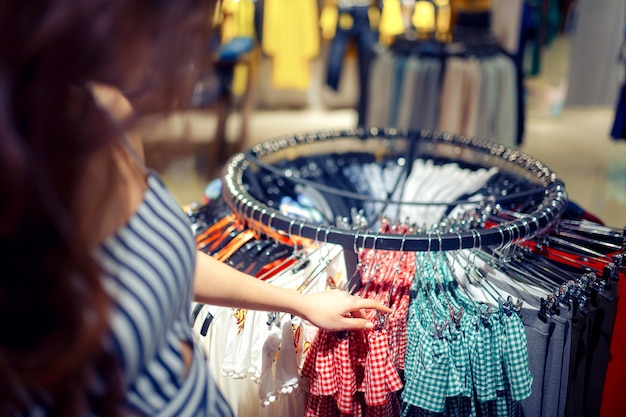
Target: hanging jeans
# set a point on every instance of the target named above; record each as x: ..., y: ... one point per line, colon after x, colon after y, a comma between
x: 353, y: 24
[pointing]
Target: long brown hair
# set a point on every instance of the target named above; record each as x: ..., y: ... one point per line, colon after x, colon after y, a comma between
x: 53, y: 308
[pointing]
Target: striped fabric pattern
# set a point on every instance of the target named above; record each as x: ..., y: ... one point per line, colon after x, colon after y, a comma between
x: 148, y: 271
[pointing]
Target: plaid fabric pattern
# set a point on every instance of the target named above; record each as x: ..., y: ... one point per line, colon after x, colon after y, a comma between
x: 381, y: 378
x: 434, y: 387
x: 374, y: 383
x: 398, y: 320
x: 459, y: 406
x: 398, y: 331
x: 347, y: 382
x: 391, y: 407
x: 515, y: 353
x: 321, y: 406
x: 482, y: 356
x: 475, y: 366
x: 335, y: 366
x: 324, y: 380
x: 389, y: 282
x: 505, y: 405
x: 362, y: 368
x: 458, y: 378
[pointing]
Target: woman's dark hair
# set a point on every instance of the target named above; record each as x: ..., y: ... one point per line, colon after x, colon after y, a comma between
x: 53, y: 308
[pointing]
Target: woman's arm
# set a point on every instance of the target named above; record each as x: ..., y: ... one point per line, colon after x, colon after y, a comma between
x: 218, y: 284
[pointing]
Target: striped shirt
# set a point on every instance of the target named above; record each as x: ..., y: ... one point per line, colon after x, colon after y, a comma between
x: 148, y: 272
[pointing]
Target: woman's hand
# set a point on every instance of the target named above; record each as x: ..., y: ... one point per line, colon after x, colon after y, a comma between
x: 336, y: 310
x: 217, y: 283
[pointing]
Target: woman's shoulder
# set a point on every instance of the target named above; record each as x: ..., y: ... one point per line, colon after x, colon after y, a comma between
x: 114, y: 181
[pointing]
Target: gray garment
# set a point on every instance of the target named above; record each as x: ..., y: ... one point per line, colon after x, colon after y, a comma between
x: 484, y: 103
x: 549, y: 346
x: 429, y: 99
x: 594, y: 68
x: 412, y: 88
x: 472, y: 93
x: 381, y: 87
x: 505, y: 131
x: 538, y: 335
x: 557, y: 365
x: 419, y: 97
x: 397, y: 89
x: 488, y: 103
x: 452, y: 92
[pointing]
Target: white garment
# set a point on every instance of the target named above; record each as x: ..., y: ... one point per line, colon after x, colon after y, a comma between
x: 429, y: 182
x: 241, y: 394
x: 244, y: 352
x: 385, y: 184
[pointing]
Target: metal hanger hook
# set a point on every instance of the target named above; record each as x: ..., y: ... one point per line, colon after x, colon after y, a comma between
x: 271, y: 220
x: 356, y: 238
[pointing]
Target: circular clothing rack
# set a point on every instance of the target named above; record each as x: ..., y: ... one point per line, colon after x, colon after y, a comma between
x: 549, y: 191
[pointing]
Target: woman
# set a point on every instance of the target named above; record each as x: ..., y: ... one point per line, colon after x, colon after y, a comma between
x: 98, y: 261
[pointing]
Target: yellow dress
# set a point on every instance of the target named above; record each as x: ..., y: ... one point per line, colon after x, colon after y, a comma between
x: 291, y: 37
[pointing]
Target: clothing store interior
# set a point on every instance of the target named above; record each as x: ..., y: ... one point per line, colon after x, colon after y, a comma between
x: 317, y: 147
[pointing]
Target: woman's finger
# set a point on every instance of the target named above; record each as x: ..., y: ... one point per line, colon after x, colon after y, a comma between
x: 365, y: 303
x: 357, y: 323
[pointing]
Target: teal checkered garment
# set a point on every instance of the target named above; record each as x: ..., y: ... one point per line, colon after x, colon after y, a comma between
x: 463, y: 358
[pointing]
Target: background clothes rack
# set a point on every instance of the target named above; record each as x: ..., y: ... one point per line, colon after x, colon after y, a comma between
x: 546, y: 253
x: 470, y: 88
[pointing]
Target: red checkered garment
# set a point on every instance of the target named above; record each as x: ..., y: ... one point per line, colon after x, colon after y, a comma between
x: 308, y: 367
x: 397, y: 331
x: 375, y: 386
x: 358, y: 411
x: 351, y: 368
x: 392, y: 378
x: 347, y: 378
x: 318, y: 405
x: 326, y: 377
x: 400, y: 304
x: 332, y: 366
x: 391, y: 408
x: 381, y: 376
x: 321, y: 406
x: 358, y: 352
